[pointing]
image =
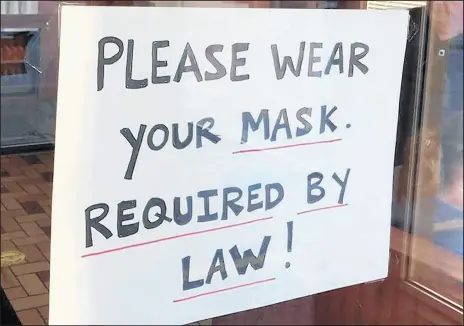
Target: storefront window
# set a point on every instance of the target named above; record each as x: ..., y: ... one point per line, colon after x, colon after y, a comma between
x: 395, y: 4
x: 438, y: 206
x: 28, y: 88
x: 20, y: 7
x: 425, y: 282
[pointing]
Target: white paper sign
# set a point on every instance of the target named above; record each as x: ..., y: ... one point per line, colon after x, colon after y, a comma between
x: 200, y: 172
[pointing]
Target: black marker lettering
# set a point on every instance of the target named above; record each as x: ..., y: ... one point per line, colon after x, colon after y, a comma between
x: 204, y: 132
x: 128, y: 229
x: 312, y: 198
x: 150, y: 142
x: 354, y: 58
x: 152, y: 203
x: 280, y: 195
x: 281, y: 69
x: 95, y: 223
x: 180, y: 218
x: 176, y: 142
x: 187, y: 284
x: 281, y: 125
x: 338, y: 49
x: 132, y: 83
x: 231, y: 203
x: 307, y: 127
x: 135, y: 143
x: 207, y: 216
x: 238, y: 62
x: 248, y: 258
x: 252, y: 196
x: 181, y: 68
x: 325, y: 119
x: 314, y: 59
x: 217, y: 265
x: 342, y: 184
x: 155, y: 79
x: 220, y: 69
x: 249, y: 122
x: 103, y: 61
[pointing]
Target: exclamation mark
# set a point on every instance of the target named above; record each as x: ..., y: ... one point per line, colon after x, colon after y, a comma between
x: 289, y: 240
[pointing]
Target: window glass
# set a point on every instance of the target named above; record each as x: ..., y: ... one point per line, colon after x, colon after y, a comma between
x: 438, y: 206
x: 19, y: 7
x: 395, y: 4
x: 28, y: 44
x: 427, y: 207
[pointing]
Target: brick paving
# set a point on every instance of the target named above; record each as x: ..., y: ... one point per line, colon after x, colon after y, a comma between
x: 26, y: 190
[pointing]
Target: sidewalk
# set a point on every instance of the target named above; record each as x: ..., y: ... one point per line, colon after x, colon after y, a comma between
x: 26, y: 188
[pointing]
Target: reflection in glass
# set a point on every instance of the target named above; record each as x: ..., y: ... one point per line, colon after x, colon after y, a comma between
x: 437, y: 219
x: 27, y: 117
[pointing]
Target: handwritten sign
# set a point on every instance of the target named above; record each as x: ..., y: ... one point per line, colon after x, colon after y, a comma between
x: 210, y: 161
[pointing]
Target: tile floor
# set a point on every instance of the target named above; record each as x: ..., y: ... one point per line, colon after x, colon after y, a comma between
x: 26, y: 190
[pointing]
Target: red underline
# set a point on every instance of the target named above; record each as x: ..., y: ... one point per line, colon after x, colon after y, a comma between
x: 175, y: 237
x: 223, y: 290
x: 321, y: 209
x: 286, y: 146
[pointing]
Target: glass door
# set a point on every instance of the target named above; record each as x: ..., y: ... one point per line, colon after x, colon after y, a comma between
x: 425, y: 281
x: 424, y: 286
